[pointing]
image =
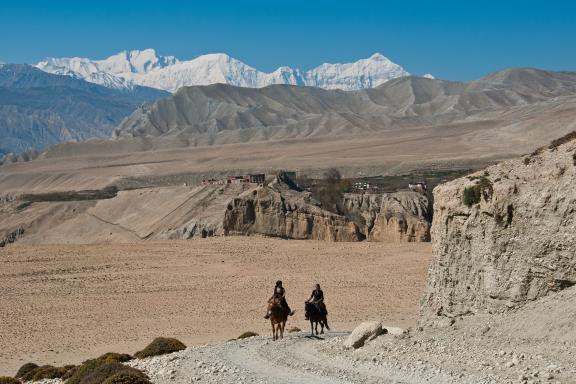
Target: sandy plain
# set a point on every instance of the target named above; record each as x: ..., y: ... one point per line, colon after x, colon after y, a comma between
x: 66, y: 303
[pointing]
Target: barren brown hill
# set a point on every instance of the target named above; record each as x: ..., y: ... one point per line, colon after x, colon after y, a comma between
x: 405, y: 124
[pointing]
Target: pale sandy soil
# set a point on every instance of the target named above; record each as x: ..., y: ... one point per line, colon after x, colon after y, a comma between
x: 63, y: 304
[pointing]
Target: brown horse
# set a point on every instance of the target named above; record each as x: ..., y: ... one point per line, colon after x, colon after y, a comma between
x: 278, y: 318
x: 316, y: 317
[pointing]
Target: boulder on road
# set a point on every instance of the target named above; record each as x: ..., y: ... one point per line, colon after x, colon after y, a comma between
x: 366, y: 331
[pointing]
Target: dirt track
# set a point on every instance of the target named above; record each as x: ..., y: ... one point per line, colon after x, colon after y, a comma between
x: 63, y: 304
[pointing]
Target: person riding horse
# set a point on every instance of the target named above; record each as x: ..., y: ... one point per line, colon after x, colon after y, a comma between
x: 280, y: 294
x: 317, y: 298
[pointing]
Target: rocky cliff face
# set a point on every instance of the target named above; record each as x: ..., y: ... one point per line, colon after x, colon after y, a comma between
x: 276, y: 210
x: 504, y: 236
x: 391, y: 217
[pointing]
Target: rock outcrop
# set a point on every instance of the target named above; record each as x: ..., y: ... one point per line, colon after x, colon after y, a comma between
x: 279, y: 211
x: 504, y: 236
x: 391, y: 217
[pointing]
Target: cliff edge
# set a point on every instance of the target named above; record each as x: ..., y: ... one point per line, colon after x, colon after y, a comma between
x: 504, y: 236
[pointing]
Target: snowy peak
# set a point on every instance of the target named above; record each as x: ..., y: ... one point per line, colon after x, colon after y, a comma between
x: 364, y: 73
x: 147, y: 68
x: 120, y: 63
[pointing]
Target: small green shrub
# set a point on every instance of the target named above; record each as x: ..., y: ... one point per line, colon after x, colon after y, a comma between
x: 126, y: 378
x: 43, y: 372
x: 22, y: 206
x: 9, y: 380
x: 76, y: 375
x: 96, y: 371
x: 246, y: 335
x: 109, y: 369
x: 160, y: 346
x: 117, y: 357
x: 473, y: 194
x: 25, y: 369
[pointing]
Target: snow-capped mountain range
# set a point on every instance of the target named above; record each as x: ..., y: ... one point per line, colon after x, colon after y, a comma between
x: 129, y: 68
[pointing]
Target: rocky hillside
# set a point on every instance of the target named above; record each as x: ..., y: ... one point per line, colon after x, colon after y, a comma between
x: 39, y: 109
x: 504, y: 236
x: 222, y: 113
x: 182, y: 212
x: 278, y: 211
x: 390, y: 217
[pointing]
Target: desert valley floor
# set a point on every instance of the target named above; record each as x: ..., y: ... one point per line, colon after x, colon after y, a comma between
x: 65, y: 303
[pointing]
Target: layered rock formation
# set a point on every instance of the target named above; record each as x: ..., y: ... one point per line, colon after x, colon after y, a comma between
x: 276, y: 210
x: 504, y: 236
x: 391, y: 217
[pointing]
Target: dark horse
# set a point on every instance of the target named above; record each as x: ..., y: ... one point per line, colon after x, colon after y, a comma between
x: 316, y: 317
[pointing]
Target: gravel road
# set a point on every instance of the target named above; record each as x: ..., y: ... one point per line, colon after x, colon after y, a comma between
x: 297, y: 358
x: 533, y: 345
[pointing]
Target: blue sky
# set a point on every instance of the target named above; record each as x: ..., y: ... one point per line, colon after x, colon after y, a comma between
x: 456, y: 40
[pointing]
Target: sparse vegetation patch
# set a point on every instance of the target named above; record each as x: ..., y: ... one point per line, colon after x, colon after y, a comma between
x: 22, y: 206
x: 126, y: 378
x: 28, y: 373
x: 9, y: 380
x: 98, y: 194
x: 161, y: 346
x: 108, y: 370
x: 78, y: 374
x: 117, y: 357
x: 327, y: 191
x: 246, y: 335
x: 473, y: 194
x: 25, y: 369
x: 554, y: 144
x: 562, y: 140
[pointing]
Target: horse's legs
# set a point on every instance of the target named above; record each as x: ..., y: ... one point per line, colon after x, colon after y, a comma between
x: 321, y: 327
x: 311, y: 327
x: 282, y: 325
x: 273, y: 331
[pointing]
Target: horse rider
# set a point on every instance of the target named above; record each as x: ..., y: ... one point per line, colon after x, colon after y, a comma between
x: 317, y: 298
x: 280, y: 294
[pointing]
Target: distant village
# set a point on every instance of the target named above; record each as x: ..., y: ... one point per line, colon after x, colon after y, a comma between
x: 257, y: 178
x: 251, y: 178
x: 290, y: 177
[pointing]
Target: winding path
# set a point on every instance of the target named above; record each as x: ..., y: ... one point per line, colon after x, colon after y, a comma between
x: 297, y: 358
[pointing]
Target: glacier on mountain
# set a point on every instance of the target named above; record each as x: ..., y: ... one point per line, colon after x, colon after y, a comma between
x: 129, y: 68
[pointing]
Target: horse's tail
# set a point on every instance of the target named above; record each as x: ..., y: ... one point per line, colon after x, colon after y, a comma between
x: 326, y: 323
